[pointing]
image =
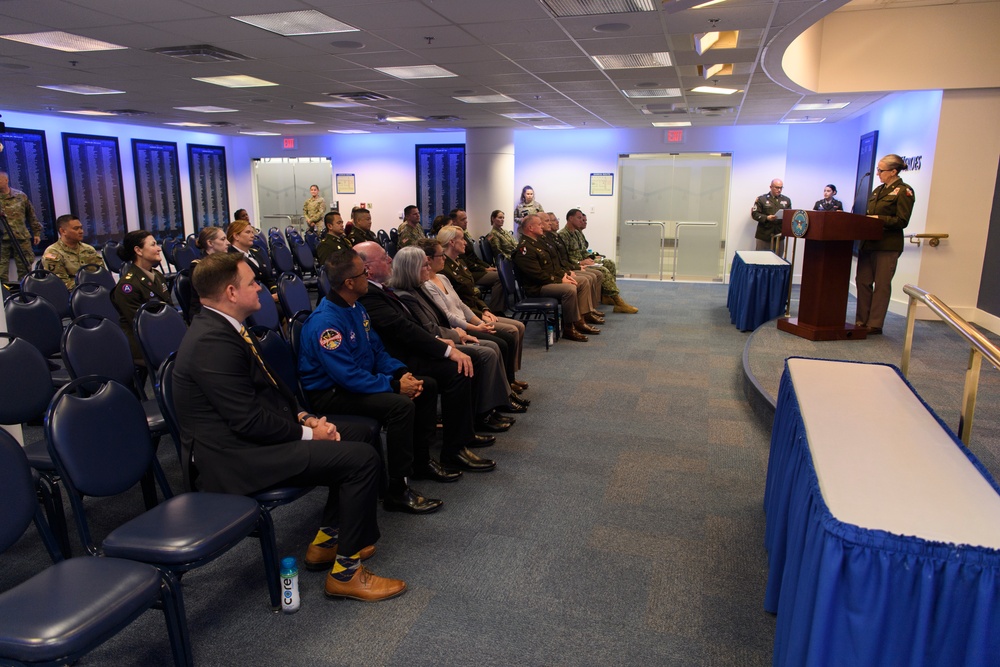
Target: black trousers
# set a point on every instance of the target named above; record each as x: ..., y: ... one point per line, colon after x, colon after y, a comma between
x: 351, y: 471
x: 507, y: 342
x: 457, y: 399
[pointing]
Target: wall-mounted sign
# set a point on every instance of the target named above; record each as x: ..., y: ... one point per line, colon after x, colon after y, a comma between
x: 346, y: 184
x: 912, y: 163
x: 288, y: 143
x: 675, y: 136
x: 602, y: 185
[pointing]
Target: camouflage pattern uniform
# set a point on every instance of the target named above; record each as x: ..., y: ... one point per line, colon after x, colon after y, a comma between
x: 359, y: 235
x: 20, y: 214
x: 576, y: 244
x: 64, y: 261
x: 314, y: 210
x: 503, y: 242
x: 330, y: 244
x: 409, y: 235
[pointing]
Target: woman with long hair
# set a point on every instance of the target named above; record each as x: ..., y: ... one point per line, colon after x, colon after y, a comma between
x: 140, y: 282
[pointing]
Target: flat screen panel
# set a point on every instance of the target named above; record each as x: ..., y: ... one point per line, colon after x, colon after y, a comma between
x: 209, y: 186
x: 25, y: 158
x: 440, y: 180
x: 158, y: 187
x: 94, y: 181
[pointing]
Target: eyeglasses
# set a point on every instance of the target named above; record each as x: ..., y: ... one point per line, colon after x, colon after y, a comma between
x: 440, y: 254
x: 881, y: 171
x: 364, y: 272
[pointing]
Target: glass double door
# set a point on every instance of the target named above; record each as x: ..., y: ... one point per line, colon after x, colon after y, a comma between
x: 672, y: 215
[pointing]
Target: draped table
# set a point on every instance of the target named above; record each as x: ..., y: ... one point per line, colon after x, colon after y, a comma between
x: 758, y: 287
x: 882, y: 528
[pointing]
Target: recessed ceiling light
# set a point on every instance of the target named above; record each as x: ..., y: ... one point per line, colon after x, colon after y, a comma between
x: 261, y: 133
x: 726, y: 39
x: 86, y: 112
x: 349, y: 131
x: 563, y: 8
x: 404, y: 119
x: 802, y: 121
x: 820, y: 106
x: 652, y: 92
x: 189, y: 123
x: 290, y: 121
x: 612, y: 27
x: 206, y: 109
x: 336, y: 105
x: 484, y: 99
x: 715, y: 90
x: 235, y: 81
x: 554, y: 127
x: 305, y: 22
x: 81, y: 89
x: 633, y: 60
x: 673, y: 123
x: 707, y: 4
x: 527, y: 115
x: 417, y: 72
x: 63, y: 41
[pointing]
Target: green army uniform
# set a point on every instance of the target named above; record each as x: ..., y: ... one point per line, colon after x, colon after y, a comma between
x: 503, y: 242
x: 589, y: 291
x: 409, y: 235
x: 20, y: 215
x: 484, y: 276
x: 314, y: 210
x: 579, y: 250
x: 765, y: 205
x: 465, y: 284
x: 359, y: 235
x: 134, y: 289
x: 330, y: 244
x: 476, y: 265
x: 64, y: 261
x: 541, y: 275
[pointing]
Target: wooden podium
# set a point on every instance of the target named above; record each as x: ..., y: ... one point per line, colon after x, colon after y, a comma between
x: 826, y: 273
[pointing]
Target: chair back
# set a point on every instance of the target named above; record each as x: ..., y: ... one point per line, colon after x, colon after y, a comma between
x: 92, y: 299
x: 322, y: 282
x: 312, y: 240
x: 183, y: 256
x: 95, y: 273
x: 391, y: 248
x: 50, y: 287
x: 394, y: 235
x: 268, y: 316
x: 293, y: 295
x: 27, y: 398
x: 192, y: 243
x: 35, y: 319
x: 183, y: 291
x: 111, y: 259
x: 93, y: 345
x: 382, y: 237
x: 265, y: 254
x: 281, y: 258
x: 304, y: 257
x: 295, y: 332
x: 277, y: 353
x: 17, y: 491
x: 164, y: 390
x: 159, y: 329
x: 486, y: 251
x: 168, y: 246
x: 505, y: 270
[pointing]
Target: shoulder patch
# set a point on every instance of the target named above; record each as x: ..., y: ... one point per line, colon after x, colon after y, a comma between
x: 330, y: 339
x: 127, y: 288
x: 51, y: 256
x: 909, y: 192
x: 755, y: 207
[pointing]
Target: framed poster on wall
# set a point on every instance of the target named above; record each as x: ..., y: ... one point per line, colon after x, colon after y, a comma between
x: 209, y: 186
x: 158, y: 187
x: 25, y: 158
x: 440, y: 180
x: 94, y: 181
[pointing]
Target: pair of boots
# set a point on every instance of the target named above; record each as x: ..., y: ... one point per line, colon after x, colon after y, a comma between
x: 621, y: 306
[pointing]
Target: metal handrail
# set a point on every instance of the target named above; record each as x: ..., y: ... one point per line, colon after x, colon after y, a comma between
x: 663, y: 233
x: 979, y: 347
x: 677, y: 234
x: 934, y: 240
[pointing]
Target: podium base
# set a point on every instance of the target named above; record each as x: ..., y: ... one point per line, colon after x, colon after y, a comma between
x: 812, y: 332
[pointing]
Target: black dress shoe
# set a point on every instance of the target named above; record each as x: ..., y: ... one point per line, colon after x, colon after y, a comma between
x: 515, y: 407
x: 520, y: 399
x: 463, y: 459
x: 503, y: 419
x: 482, y: 440
x: 875, y: 331
x: 492, y: 424
x: 433, y: 471
x: 409, y: 500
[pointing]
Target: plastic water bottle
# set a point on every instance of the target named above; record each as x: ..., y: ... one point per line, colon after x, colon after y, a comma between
x: 550, y: 332
x: 289, y: 585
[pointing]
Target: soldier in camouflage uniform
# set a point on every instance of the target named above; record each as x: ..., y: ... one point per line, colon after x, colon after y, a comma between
x: 65, y: 257
x: 334, y: 238
x: 314, y: 208
x: 501, y: 241
x: 362, y: 230
x: 410, y: 231
x: 579, y: 251
x: 20, y: 216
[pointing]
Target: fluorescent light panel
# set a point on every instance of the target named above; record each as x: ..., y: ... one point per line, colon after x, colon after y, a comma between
x: 708, y: 4
x: 81, y: 89
x: 802, y: 121
x: 652, y: 92
x: 633, y: 60
x: 820, y: 106
x: 672, y: 123
x: 206, y: 109
x: 86, y: 112
x: 525, y: 115
x: 235, y: 81
x: 554, y: 127
x: 714, y: 90
x: 188, y: 123
x: 63, y: 41
x: 305, y: 22
x: 290, y: 121
x: 349, y: 131
x: 484, y: 99
x: 417, y: 72
x: 563, y: 8
x: 404, y: 119
x: 336, y: 105
x: 262, y: 133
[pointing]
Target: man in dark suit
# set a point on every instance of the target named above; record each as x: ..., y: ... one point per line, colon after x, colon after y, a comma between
x: 241, y: 426
x: 424, y: 354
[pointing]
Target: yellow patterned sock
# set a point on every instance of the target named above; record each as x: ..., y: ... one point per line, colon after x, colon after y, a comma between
x: 345, y: 566
x: 326, y: 534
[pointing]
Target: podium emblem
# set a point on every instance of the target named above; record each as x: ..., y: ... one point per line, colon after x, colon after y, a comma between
x: 800, y: 223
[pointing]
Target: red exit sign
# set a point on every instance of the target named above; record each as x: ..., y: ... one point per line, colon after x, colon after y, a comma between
x: 288, y: 143
x: 675, y: 136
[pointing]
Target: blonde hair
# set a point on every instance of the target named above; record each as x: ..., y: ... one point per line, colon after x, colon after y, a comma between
x: 448, y: 234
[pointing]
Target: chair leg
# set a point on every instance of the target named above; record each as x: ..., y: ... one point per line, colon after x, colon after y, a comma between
x: 268, y: 548
x: 177, y: 627
x: 148, y: 486
x: 51, y: 497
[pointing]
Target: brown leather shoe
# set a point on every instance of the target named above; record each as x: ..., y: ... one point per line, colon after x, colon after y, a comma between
x: 518, y: 386
x: 569, y: 333
x: 586, y: 328
x: 365, y: 585
x: 319, y: 557
x: 591, y: 318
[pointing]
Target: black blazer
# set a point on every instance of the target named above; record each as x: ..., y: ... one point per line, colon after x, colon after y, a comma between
x: 402, y: 334
x: 260, y: 271
x: 242, y: 429
x: 428, y: 314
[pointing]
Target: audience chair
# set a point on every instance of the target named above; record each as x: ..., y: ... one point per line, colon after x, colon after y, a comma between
x: 281, y: 259
x: 293, y: 295
x: 183, y: 291
x: 382, y: 237
x: 111, y: 259
x: 95, y: 273
x: 34, y: 319
x: 25, y: 401
x: 394, y: 235
x: 265, y: 253
x: 159, y: 328
x: 486, y: 251
x: 322, y: 283
x: 306, y: 262
x: 192, y: 243
x: 268, y: 316
x: 391, y: 248
x: 183, y: 255
x: 542, y: 308
x: 50, y: 287
x: 168, y: 246
x: 92, y: 299
x: 100, y: 444
x: 312, y: 240
x: 65, y: 611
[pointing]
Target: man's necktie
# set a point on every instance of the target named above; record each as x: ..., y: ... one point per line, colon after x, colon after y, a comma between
x: 256, y: 354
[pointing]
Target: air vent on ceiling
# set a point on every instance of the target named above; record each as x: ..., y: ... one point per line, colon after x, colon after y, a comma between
x: 664, y: 109
x: 633, y: 61
x: 128, y: 112
x: 360, y: 96
x: 444, y: 119
x: 592, y: 7
x: 221, y: 123
x: 715, y: 111
x: 201, y: 53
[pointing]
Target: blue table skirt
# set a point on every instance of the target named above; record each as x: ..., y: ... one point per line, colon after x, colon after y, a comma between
x: 848, y: 596
x: 757, y: 293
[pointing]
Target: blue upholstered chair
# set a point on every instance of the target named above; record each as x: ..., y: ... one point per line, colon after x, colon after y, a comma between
x: 525, y: 308
x: 50, y: 287
x: 95, y: 273
x: 92, y: 299
x: 159, y: 328
x: 293, y: 295
x: 268, y: 316
x: 34, y: 319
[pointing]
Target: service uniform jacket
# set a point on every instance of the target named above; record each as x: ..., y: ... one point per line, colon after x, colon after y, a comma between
x: 259, y: 267
x: 330, y: 244
x: 893, y: 204
x: 465, y: 284
x: 832, y: 205
x: 765, y: 205
x: 339, y: 350
x: 134, y: 289
x: 477, y: 266
x: 561, y: 251
x: 536, y: 265
x: 64, y: 261
x: 359, y: 235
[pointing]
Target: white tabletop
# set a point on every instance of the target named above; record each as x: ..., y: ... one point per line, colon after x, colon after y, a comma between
x: 883, y: 461
x: 760, y: 257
